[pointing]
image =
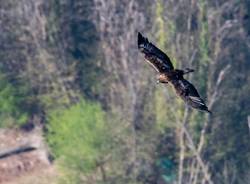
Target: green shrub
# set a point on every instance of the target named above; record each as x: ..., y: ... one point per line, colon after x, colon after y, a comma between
x: 77, y: 136
x: 11, y: 99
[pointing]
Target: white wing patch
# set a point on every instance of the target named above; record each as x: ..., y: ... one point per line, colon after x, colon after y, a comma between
x: 197, y: 100
x: 152, y: 65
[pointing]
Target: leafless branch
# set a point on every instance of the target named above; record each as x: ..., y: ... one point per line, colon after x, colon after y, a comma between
x: 182, y: 144
x: 221, y: 77
x: 16, y: 151
x: 197, y: 154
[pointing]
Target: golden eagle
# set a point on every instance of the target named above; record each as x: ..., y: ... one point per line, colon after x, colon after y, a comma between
x: 167, y: 74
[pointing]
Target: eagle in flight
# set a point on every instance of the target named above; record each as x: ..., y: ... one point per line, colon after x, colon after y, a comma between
x: 167, y: 74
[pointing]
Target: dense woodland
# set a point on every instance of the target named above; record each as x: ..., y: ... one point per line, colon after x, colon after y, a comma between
x: 75, y: 66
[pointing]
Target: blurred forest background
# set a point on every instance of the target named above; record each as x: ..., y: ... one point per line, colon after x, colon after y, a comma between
x: 72, y: 68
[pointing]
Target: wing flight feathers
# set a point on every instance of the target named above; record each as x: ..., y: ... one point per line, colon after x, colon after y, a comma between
x: 155, y: 56
x: 190, y: 95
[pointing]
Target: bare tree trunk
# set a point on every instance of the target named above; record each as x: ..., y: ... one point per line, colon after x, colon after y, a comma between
x: 182, y: 144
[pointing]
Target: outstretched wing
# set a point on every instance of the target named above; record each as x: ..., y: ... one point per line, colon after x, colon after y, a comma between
x: 190, y: 95
x: 158, y: 59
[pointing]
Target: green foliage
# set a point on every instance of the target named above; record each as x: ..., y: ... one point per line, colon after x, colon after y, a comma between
x: 77, y: 136
x: 160, y: 23
x: 203, y: 49
x: 69, y: 176
x: 85, y: 51
x: 11, y: 97
x: 81, y: 42
x: 163, y: 114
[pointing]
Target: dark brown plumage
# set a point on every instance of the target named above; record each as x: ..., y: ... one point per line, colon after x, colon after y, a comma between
x: 167, y: 74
